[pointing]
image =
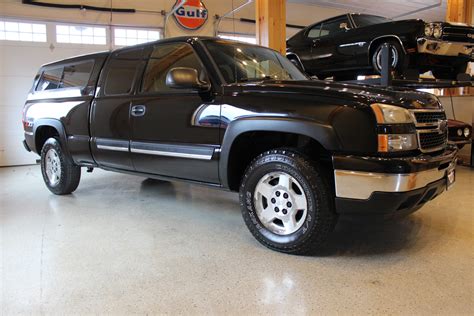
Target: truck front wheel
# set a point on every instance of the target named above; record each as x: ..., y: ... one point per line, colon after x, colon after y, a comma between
x: 286, y: 202
x: 60, y: 174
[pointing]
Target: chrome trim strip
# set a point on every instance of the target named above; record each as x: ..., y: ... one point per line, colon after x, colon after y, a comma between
x: 171, y: 154
x: 361, y: 185
x: 361, y: 44
x: 29, y: 133
x: 323, y: 56
x: 113, y: 148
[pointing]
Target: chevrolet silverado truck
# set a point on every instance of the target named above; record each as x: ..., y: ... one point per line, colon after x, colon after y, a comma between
x: 242, y: 118
x: 351, y: 44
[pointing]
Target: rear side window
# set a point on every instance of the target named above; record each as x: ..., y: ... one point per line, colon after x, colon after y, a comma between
x: 74, y: 75
x: 122, y: 71
x: 77, y: 75
x: 163, y: 59
x: 50, y: 79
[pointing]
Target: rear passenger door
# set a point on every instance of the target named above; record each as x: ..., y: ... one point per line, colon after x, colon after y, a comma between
x: 110, y: 114
x: 174, y: 132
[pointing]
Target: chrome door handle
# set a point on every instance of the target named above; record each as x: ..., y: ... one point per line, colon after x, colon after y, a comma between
x: 138, y: 110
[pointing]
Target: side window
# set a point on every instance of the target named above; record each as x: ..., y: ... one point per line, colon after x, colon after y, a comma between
x: 314, y: 32
x: 121, y: 71
x: 77, y: 75
x: 50, y: 79
x: 334, y: 27
x: 163, y: 59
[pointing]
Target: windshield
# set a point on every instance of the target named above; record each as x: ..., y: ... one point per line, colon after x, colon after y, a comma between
x: 240, y: 62
x: 362, y: 20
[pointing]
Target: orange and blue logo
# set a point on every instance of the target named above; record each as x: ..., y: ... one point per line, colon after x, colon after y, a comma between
x: 192, y: 15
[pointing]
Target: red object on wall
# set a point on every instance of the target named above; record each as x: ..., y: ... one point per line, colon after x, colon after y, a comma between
x: 192, y: 15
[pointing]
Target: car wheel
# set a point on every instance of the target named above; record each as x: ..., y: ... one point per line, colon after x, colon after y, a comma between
x: 398, y: 58
x: 450, y: 73
x: 286, y: 202
x: 60, y: 174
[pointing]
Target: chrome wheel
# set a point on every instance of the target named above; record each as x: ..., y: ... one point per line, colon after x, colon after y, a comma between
x: 280, y: 203
x: 52, y: 166
x: 395, y: 57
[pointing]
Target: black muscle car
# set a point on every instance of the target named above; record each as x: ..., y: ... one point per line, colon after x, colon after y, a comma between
x: 350, y: 45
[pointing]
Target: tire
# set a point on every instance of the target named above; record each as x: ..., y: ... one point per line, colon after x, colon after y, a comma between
x: 399, y: 58
x: 60, y: 174
x: 450, y: 73
x: 312, y: 222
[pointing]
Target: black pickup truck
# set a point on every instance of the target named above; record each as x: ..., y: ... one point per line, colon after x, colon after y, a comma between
x: 242, y: 118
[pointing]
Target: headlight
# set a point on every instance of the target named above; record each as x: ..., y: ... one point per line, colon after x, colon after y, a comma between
x: 397, y: 142
x: 389, y: 114
x: 459, y: 131
x: 467, y: 132
x: 429, y: 30
x: 437, y: 31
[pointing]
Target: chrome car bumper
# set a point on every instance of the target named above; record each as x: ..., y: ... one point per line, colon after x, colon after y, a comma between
x: 361, y: 185
x: 442, y: 48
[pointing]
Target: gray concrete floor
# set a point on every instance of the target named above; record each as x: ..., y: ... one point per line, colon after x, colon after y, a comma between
x: 122, y: 244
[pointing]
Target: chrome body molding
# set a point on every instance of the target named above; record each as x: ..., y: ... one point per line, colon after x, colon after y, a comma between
x: 443, y: 48
x: 361, y: 185
x: 201, y: 152
x: 360, y: 44
x: 113, y: 148
x: 112, y: 144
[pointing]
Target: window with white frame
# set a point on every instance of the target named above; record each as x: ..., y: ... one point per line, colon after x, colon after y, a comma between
x: 240, y: 38
x: 128, y: 36
x: 81, y: 34
x: 24, y: 32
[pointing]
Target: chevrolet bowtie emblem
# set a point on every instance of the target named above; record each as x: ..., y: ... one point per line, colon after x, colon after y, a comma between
x: 470, y: 35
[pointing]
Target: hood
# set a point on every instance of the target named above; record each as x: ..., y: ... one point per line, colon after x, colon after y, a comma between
x: 456, y: 123
x: 362, y: 94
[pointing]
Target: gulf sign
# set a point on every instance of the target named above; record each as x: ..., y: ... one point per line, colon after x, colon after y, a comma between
x: 192, y: 15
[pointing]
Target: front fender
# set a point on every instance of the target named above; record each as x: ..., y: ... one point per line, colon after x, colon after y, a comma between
x: 323, y: 134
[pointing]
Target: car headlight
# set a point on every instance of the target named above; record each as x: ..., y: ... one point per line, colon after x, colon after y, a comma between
x: 429, y: 29
x: 390, y: 114
x: 437, y: 31
x: 467, y: 132
x: 397, y: 142
x: 459, y: 131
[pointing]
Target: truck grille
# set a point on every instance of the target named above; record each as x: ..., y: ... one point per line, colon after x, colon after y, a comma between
x: 458, y: 34
x: 432, y: 129
x: 429, y: 117
x: 430, y: 140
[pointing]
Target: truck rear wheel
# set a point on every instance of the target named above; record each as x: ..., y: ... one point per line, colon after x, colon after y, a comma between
x: 60, y: 174
x: 287, y: 203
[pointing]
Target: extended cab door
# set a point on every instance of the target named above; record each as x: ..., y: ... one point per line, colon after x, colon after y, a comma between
x: 110, y: 113
x: 174, y: 132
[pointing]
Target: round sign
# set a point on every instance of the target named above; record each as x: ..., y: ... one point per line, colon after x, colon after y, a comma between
x: 192, y: 15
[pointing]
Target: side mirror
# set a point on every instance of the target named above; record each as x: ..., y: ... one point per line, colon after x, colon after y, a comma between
x: 185, y: 78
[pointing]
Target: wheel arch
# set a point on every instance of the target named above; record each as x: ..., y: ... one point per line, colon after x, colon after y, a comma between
x: 297, y: 58
x: 282, y: 131
x: 381, y: 39
x: 46, y: 128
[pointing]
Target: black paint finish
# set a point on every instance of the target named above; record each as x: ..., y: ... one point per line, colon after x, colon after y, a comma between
x: 189, y: 135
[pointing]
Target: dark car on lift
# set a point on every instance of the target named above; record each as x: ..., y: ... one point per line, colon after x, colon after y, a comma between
x: 459, y: 133
x: 349, y: 45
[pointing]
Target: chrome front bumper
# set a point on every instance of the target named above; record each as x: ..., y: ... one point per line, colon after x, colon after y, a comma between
x: 361, y: 185
x: 442, y: 48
